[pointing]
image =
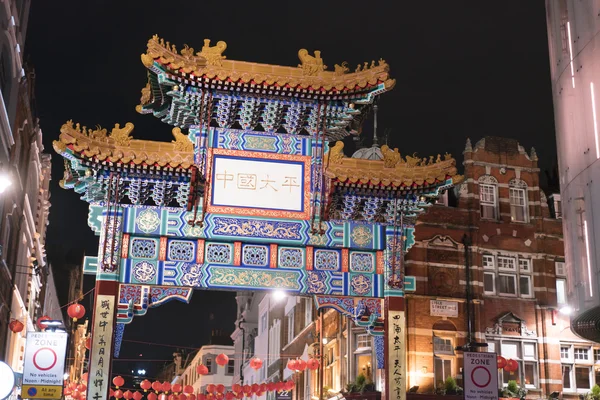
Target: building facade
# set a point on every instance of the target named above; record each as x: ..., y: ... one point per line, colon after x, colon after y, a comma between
x: 217, y: 374
x: 572, y: 30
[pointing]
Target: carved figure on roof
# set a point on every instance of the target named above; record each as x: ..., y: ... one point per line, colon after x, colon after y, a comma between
x: 213, y: 55
x: 98, y: 134
x: 311, y: 65
x: 121, y: 135
x: 390, y: 157
x: 447, y: 156
x: 341, y: 69
x: 335, y: 153
x: 412, y: 161
x: 146, y: 93
x: 187, y: 51
x: 182, y: 143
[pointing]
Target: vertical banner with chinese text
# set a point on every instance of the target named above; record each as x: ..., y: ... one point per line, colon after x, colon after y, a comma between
x: 100, y: 354
x: 396, y: 362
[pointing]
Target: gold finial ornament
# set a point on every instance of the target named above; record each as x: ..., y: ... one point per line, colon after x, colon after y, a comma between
x: 121, y: 135
x: 213, y: 55
x: 311, y: 65
x: 182, y: 142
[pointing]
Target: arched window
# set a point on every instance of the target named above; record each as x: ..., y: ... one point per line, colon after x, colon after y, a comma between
x: 444, y: 337
x: 518, y: 200
x: 488, y: 197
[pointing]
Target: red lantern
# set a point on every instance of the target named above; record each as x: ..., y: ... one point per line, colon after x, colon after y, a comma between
x: 262, y: 387
x: 222, y: 359
x: 229, y: 396
x: 188, y: 389
x: 157, y: 386
x: 201, y: 396
x: 237, y: 388
x: 312, y: 364
x: 191, y: 396
x: 111, y: 393
x: 152, y: 396
x: 220, y: 388
x: 182, y: 396
x: 176, y: 388
x: 145, y: 384
x: 137, y: 395
x: 166, y: 386
x: 270, y: 386
x: 300, y: 365
x: 84, y: 378
x: 511, y: 366
x: 202, y: 369
x: 118, y: 381
x: 76, y: 311
x: 172, y: 397
x: 75, y: 394
x: 255, y: 388
x: 279, y: 386
x: 118, y: 393
x: 291, y: 364
x: 219, y: 396
x: 210, y: 388
x: 40, y: 323
x: 127, y: 395
x: 81, y: 388
x: 501, y: 362
x: 256, y: 363
x: 67, y: 392
x: 16, y: 326
x: 289, y: 385
x: 239, y: 396
x: 247, y: 389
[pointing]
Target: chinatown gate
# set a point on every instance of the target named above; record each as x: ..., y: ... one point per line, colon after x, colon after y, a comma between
x: 249, y: 195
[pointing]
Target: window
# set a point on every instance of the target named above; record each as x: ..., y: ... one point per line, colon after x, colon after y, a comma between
x: 559, y: 266
x: 505, y: 279
x: 518, y: 205
x: 208, y: 363
x: 230, y: 367
x: 525, y: 353
x: 577, y: 367
x: 561, y: 291
x: 309, y: 310
x: 263, y: 323
x: 289, y: 320
x: 487, y: 201
x: 442, y: 370
x: 597, y: 356
x: 442, y: 345
x: 363, y: 341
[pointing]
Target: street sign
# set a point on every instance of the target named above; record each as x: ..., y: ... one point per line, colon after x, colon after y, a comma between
x: 440, y: 308
x: 480, y: 374
x: 283, y: 395
x: 7, y: 380
x: 44, y: 365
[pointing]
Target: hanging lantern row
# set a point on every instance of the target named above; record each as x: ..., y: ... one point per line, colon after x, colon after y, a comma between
x: 214, y: 392
x: 300, y: 365
x: 509, y: 365
x: 76, y: 311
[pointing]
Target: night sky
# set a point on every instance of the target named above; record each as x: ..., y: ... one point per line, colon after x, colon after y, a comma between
x: 463, y: 69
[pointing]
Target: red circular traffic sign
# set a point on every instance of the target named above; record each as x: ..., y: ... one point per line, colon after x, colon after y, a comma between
x: 44, y: 359
x: 483, y: 375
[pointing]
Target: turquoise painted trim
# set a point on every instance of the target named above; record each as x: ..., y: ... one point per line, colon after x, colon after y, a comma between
x: 90, y: 265
x: 410, y: 283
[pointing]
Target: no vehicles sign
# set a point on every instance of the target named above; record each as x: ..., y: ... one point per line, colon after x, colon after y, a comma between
x: 481, y: 376
x: 44, y: 365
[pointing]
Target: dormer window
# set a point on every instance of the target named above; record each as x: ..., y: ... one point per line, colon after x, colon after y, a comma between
x: 518, y: 201
x: 488, y: 197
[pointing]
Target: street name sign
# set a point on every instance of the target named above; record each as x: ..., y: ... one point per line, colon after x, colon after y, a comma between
x: 44, y: 365
x: 480, y: 376
x: 441, y: 308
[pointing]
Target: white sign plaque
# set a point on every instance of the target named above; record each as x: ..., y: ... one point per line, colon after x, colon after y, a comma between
x: 441, y: 308
x: 44, y: 365
x: 102, y: 333
x: 259, y: 184
x: 480, y: 376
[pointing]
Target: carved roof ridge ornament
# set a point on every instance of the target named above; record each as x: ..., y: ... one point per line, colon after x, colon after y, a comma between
x: 310, y: 73
x: 120, y: 147
x: 392, y: 170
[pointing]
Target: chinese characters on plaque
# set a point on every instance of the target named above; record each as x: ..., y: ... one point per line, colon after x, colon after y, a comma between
x: 258, y: 183
x: 102, y: 331
x: 396, y: 361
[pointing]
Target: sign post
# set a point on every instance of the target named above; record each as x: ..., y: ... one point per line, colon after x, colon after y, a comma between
x: 44, y: 366
x: 480, y: 376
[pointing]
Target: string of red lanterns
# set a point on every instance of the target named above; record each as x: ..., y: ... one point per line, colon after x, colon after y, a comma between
x: 509, y: 365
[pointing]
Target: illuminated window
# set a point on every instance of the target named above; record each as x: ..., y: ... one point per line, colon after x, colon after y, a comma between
x: 576, y: 368
x: 505, y: 279
x: 518, y: 205
x: 525, y: 354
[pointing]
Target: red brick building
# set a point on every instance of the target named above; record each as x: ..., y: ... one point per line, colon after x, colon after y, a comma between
x: 515, y: 250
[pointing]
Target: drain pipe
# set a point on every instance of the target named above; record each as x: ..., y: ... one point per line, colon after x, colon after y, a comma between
x: 243, y: 349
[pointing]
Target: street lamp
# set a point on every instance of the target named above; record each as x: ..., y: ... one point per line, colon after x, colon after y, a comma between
x: 279, y: 295
x: 53, y: 325
x: 566, y: 310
